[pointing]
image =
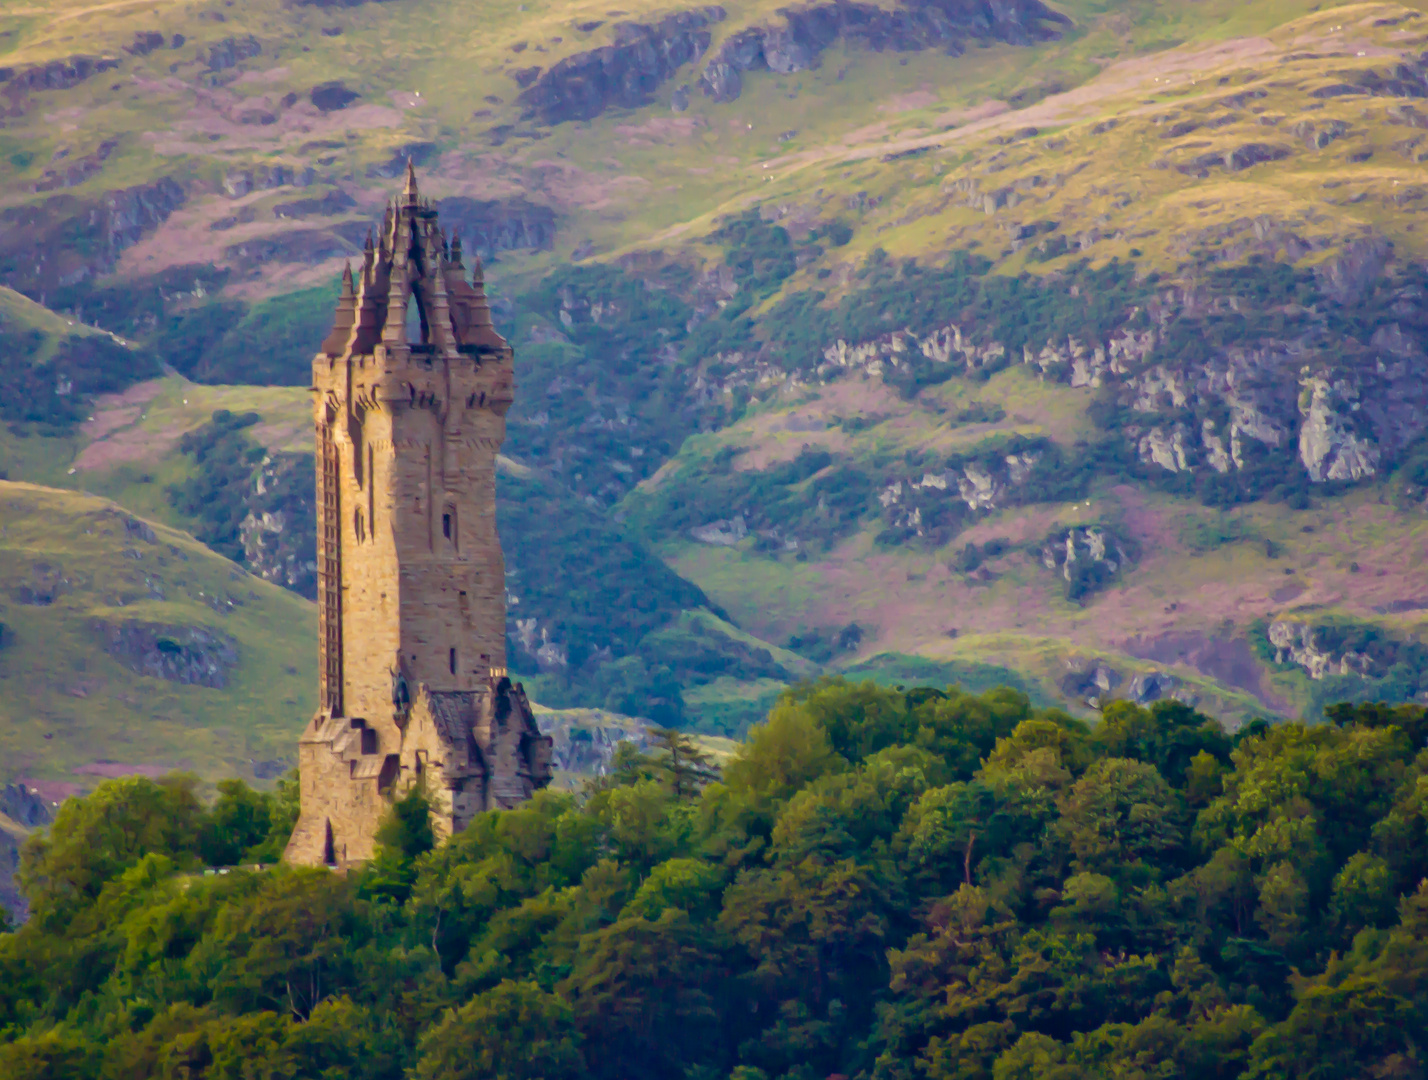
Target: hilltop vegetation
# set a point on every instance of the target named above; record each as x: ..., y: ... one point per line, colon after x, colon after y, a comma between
x: 883, y: 884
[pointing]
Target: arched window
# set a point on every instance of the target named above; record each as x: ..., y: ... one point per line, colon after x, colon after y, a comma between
x: 416, y: 328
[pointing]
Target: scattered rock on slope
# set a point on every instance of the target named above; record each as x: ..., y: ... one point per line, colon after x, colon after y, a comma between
x: 191, y: 655
x: 624, y: 74
x: 807, y: 32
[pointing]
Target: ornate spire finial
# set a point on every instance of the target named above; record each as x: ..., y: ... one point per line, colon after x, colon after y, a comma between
x: 410, y: 191
x: 478, y: 273
x: 347, y: 280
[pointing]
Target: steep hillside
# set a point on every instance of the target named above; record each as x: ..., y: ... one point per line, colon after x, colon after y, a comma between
x: 130, y: 647
x: 1078, y: 347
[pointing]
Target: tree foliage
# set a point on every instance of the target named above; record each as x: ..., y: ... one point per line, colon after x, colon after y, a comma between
x: 882, y: 884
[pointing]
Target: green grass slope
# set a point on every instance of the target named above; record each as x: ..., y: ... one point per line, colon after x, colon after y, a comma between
x: 669, y: 365
x: 899, y: 128
x: 129, y: 646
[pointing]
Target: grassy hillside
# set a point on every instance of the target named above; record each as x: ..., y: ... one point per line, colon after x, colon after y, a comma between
x: 1021, y: 352
x: 900, y: 127
x: 129, y: 646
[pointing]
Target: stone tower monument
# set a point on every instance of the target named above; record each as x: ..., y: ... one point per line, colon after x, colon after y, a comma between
x: 410, y: 392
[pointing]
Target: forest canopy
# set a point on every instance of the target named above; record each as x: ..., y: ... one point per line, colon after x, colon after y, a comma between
x: 884, y: 884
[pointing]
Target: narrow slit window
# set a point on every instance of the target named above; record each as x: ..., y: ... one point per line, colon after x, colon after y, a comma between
x: 451, y: 661
x: 446, y: 526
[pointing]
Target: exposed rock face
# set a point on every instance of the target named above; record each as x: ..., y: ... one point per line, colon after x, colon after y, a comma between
x: 932, y: 503
x: 587, y: 749
x: 21, y: 811
x: 628, y: 72
x: 297, y: 246
x: 901, y: 348
x: 624, y: 74
x: 490, y: 226
x: 79, y: 170
x: 1165, y: 447
x: 1343, y: 408
x: 1092, y: 684
x: 807, y: 32
x: 191, y: 655
x: 241, y: 182
x: 230, y: 52
x: 535, y: 642
x: 1299, y: 643
x: 1156, y: 685
x: 16, y: 85
x: 1329, y: 446
x: 1087, y: 558
x: 65, y: 240
x: 24, y: 807
x: 329, y: 205
x: 724, y: 533
x: 1358, y: 266
x: 279, y: 533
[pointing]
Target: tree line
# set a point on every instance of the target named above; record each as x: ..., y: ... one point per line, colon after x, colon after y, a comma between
x: 883, y: 884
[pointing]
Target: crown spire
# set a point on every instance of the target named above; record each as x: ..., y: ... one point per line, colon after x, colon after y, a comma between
x: 410, y: 191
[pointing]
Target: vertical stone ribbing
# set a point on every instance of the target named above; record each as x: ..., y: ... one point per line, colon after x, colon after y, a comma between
x: 329, y: 575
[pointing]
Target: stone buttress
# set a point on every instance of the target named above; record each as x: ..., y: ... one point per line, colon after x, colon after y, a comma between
x: 410, y: 393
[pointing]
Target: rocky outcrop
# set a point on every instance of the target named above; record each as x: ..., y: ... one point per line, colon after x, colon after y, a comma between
x: 146, y: 41
x: 1165, y: 447
x: 628, y: 72
x: 332, y: 96
x: 935, y: 504
x: 490, y: 226
x: 330, y: 204
x: 25, y: 806
x: 1348, y: 275
x: 1087, y: 558
x: 297, y: 246
x: 1303, y: 645
x: 65, y: 240
x: 1092, y: 684
x: 1156, y: 686
x: 77, y: 171
x: 902, y: 349
x: 722, y: 533
x: 807, y: 32
x: 550, y: 655
x: 1097, y: 684
x: 623, y: 74
x: 587, y: 747
x: 22, y: 810
x: 17, y: 84
x: 230, y: 52
x: 279, y: 532
x: 191, y: 655
x: 241, y: 182
x: 1329, y: 446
